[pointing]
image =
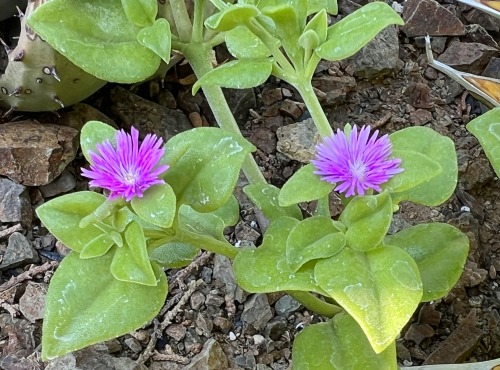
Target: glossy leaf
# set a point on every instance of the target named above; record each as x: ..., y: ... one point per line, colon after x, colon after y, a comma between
x: 62, y: 216
x: 174, y: 254
x: 265, y: 269
x: 440, y: 251
x: 380, y: 289
x: 97, y: 31
x: 339, y: 344
x: 237, y: 74
x: 367, y: 219
x: 350, y: 34
x: 304, y: 186
x: 85, y: 304
x: 309, y: 40
x: 205, y: 224
x: 97, y: 247
x: 157, y: 38
x: 486, y: 128
x: 157, y: 206
x: 313, y: 238
x: 229, y: 213
x: 131, y: 262
x: 93, y: 133
x: 315, y: 6
x: 319, y: 24
x: 231, y: 17
x: 141, y: 12
x: 440, y: 150
x: 286, y: 20
x: 265, y: 197
x: 243, y: 44
x: 204, y: 166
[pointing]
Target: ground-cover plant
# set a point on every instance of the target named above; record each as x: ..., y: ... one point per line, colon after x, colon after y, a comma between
x: 165, y: 203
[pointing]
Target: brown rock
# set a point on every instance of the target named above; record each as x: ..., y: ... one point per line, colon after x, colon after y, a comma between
x: 459, y: 344
x: 271, y: 96
x: 34, y: 154
x: 212, y: 357
x: 32, y: 303
x: 489, y: 22
x: 419, y: 95
x: 428, y: 17
x: 429, y: 315
x: 420, y: 117
x: 418, y: 332
x: 476, y: 33
x: 291, y: 109
x: 469, y: 57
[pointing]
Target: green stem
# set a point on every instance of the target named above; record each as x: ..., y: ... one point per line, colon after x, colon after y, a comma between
x: 199, y: 10
x: 182, y: 20
x: 210, y: 244
x: 104, y: 210
x: 305, y: 89
x: 313, y: 303
x: 199, y: 56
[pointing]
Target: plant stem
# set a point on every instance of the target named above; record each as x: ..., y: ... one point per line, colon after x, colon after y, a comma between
x: 313, y: 303
x: 305, y: 90
x: 182, y: 20
x: 104, y: 210
x: 199, y: 56
x: 199, y: 10
x: 210, y: 244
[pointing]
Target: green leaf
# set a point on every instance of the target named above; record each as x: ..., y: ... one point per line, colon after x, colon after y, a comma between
x: 486, y: 128
x: 315, y: 6
x: 313, y: 238
x: 319, y: 24
x: 231, y: 17
x: 130, y: 262
x: 157, y: 38
x: 62, y: 215
x: 339, y: 344
x: 309, y: 40
x: 204, y: 166
x: 205, y: 224
x: 367, y: 219
x: 141, y: 12
x: 440, y: 251
x: 85, y: 304
x: 157, y: 206
x: 380, y: 289
x: 286, y: 21
x: 265, y: 269
x: 237, y: 74
x: 93, y: 133
x: 431, y: 190
x: 349, y: 35
x: 98, y: 37
x: 174, y: 254
x: 229, y: 213
x: 304, y: 186
x: 243, y: 44
x: 265, y: 197
x: 97, y: 247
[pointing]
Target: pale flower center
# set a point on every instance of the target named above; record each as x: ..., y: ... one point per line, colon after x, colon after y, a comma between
x: 130, y: 177
x: 358, y: 170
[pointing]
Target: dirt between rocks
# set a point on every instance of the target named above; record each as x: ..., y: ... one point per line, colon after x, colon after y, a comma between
x: 207, y: 321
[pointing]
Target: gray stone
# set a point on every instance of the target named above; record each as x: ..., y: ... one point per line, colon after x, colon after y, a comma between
x: 380, y: 57
x: 212, y: 357
x: 90, y: 359
x: 34, y: 154
x: 62, y: 184
x: 476, y: 33
x: 223, y: 271
x: 203, y: 325
x: 298, y: 140
x: 176, y: 331
x: 275, y: 328
x: 245, y: 361
x: 32, y: 303
x: 15, y: 204
x: 196, y: 300
x: 257, y: 312
x: 286, y: 305
x: 19, y: 252
x: 133, y: 344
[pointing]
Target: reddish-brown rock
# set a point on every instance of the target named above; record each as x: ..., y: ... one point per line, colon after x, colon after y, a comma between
x: 469, y: 57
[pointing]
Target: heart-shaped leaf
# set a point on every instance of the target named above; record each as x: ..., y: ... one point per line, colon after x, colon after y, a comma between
x: 343, y: 346
x: 367, y: 219
x: 266, y: 196
x: 93, y: 133
x: 380, y: 289
x: 350, y: 34
x: 314, y: 238
x: 243, y: 44
x: 265, y: 269
x: 231, y: 17
x: 62, y: 216
x: 85, y: 304
x: 97, y: 247
x: 157, y: 37
x: 157, y: 206
x: 440, y: 251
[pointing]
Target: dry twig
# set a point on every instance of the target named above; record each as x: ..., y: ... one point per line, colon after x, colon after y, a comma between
x: 28, y: 275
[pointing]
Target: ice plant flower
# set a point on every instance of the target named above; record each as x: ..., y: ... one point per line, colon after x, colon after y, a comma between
x: 128, y: 169
x: 355, y: 161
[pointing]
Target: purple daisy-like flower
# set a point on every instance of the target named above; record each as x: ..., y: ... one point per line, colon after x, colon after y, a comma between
x: 128, y: 169
x: 356, y: 162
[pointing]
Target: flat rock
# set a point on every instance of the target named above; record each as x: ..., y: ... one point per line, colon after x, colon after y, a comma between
x: 32, y: 303
x: 469, y: 57
x: 428, y: 17
x: 459, y: 344
x: 476, y: 16
x: 257, y: 312
x: 298, y: 140
x: 146, y: 116
x: 286, y: 305
x: 19, y: 252
x: 63, y: 183
x: 34, y: 154
x: 419, y: 95
x: 211, y: 357
x: 15, y: 204
x: 477, y: 33
x: 90, y: 359
x: 380, y: 57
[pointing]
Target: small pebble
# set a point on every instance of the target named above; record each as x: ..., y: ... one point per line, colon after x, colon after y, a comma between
x: 232, y: 336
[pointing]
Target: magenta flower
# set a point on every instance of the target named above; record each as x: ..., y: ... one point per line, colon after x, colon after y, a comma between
x: 129, y: 169
x: 356, y: 162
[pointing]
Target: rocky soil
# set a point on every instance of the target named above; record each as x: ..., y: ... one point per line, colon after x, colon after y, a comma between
x: 207, y: 321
